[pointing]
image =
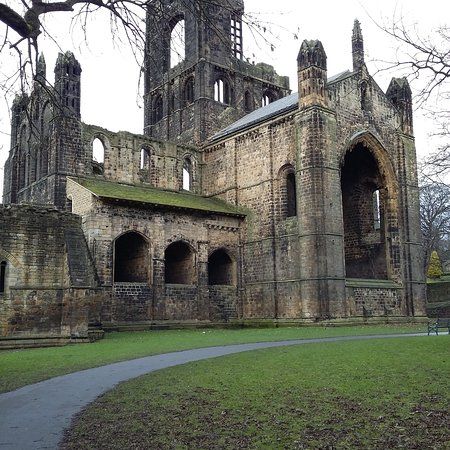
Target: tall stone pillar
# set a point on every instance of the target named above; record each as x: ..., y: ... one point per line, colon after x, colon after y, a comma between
x: 321, y: 232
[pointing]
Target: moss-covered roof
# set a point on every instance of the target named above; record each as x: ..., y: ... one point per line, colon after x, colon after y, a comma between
x: 153, y: 196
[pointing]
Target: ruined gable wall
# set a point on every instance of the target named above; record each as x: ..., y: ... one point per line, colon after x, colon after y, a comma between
x: 122, y: 159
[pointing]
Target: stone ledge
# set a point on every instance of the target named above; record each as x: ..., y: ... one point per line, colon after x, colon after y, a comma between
x: 374, y: 284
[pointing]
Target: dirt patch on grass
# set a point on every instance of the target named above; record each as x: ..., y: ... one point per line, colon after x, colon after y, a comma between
x: 201, y: 419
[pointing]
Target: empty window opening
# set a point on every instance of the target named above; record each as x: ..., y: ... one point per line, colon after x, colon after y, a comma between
x: 221, y: 270
x: 98, y: 151
x: 157, y: 108
x: 189, y: 91
x: 248, y: 101
x: 291, y: 195
x: 145, y: 159
x: 364, y: 96
x: 222, y: 91
x: 177, y: 43
x: 363, y: 210
x: 376, y: 210
x: 179, y: 264
x: 2, y: 276
x: 265, y: 100
x: 236, y: 37
x: 187, y: 174
x: 131, y: 260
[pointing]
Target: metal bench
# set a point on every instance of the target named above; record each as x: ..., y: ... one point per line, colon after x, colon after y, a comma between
x: 440, y: 323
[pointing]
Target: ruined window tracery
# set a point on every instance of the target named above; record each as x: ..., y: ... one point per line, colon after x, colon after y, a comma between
x: 179, y: 264
x: 236, y: 37
x: 131, y: 258
x: 2, y: 276
x: 221, y: 269
x: 177, y: 42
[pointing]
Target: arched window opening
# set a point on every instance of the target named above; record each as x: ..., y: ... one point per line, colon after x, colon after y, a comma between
x: 364, y: 95
x: 188, y: 93
x: 2, y: 277
x: 291, y: 195
x: 376, y: 210
x: 363, y: 208
x: 236, y: 36
x: 221, y: 270
x: 177, y: 43
x: 179, y: 264
x: 187, y: 174
x: 248, y: 101
x: 268, y: 97
x: 98, y: 151
x: 22, y: 171
x: 131, y: 259
x: 222, y: 92
x: 157, y: 108
x: 145, y: 159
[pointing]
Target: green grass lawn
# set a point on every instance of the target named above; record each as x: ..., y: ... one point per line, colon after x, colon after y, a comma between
x: 380, y: 394
x: 21, y: 367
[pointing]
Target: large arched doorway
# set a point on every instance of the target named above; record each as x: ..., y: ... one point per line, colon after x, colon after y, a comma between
x: 365, y: 202
x: 131, y: 258
x: 179, y: 264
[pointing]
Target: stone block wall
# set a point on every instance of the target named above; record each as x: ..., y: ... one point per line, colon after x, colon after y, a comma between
x: 40, y: 296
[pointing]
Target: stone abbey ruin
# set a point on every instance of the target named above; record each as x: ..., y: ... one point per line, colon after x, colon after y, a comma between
x: 241, y: 201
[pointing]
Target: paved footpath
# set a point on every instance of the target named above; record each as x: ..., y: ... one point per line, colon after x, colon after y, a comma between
x: 35, y: 416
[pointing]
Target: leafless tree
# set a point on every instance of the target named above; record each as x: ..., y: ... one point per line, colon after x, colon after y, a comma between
x: 435, y: 217
x: 426, y: 59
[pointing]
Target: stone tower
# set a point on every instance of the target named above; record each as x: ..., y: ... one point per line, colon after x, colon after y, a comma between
x: 46, y: 137
x: 196, y: 78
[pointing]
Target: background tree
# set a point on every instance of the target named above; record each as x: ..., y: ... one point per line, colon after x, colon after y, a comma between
x: 435, y: 218
x: 426, y: 58
x: 435, y: 267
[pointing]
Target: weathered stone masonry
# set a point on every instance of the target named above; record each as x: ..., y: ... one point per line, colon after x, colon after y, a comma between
x: 305, y: 209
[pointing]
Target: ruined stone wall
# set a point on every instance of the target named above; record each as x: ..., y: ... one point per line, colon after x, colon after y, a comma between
x: 48, y: 281
x: 295, y: 266
x: 156, y: 300
x: 163, y: 167
x: 209, y: 56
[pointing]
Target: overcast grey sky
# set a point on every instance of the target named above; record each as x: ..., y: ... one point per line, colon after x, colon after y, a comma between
x: 110, y: 75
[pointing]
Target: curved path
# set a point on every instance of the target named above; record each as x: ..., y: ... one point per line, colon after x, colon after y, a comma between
x: 35, y: 416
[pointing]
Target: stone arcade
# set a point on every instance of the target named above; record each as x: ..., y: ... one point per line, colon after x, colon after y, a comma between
x: 240, y: 202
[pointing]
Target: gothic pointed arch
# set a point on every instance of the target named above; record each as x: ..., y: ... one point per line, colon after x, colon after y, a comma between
x: 370, y: 209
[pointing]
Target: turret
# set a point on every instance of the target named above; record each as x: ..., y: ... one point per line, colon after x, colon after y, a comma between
x: 312, y: 74
x: 67, y: 82
x: 399, y: 93
x: 41, y: 70
x: 357, y: 46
